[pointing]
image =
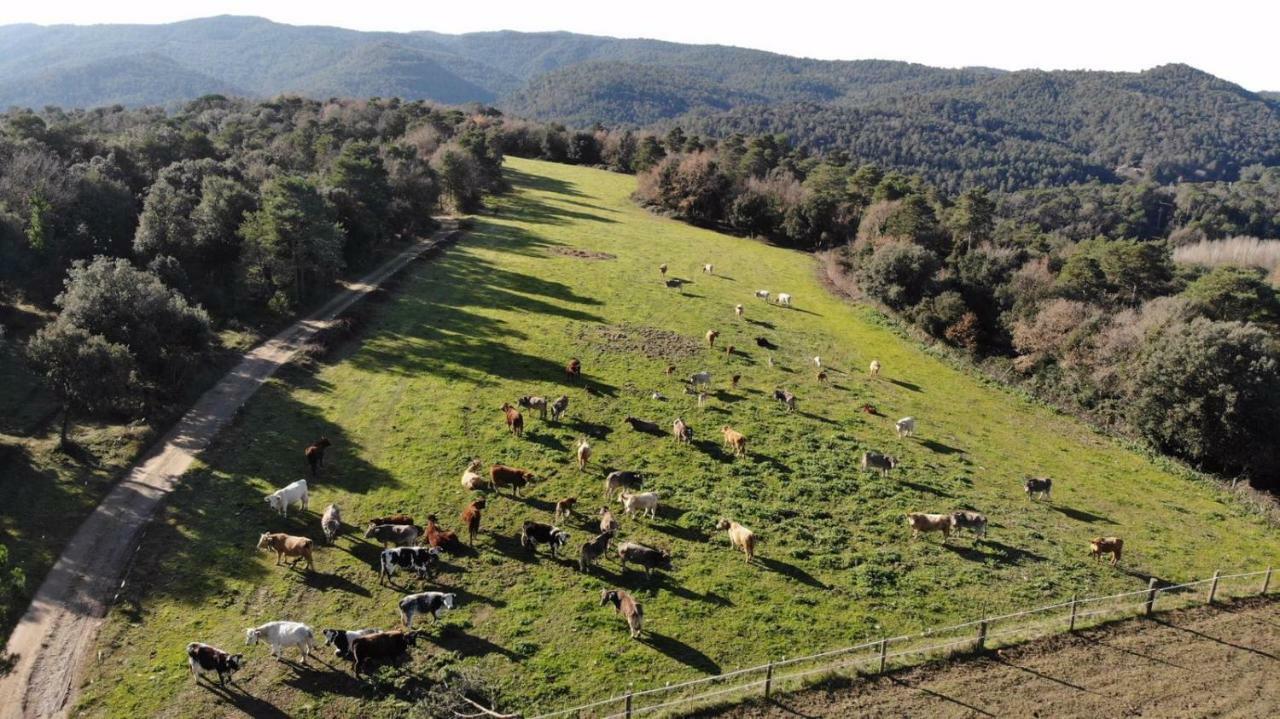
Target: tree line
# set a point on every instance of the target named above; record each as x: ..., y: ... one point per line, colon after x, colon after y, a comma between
x: 148, y: 232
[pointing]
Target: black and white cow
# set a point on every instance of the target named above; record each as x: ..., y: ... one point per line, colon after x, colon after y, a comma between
x: 341, y: 639
x: 421, y: 560
x: 1038, y: 485
x: 206, y: 658
x: 535, y: 533
x: 425, y: 603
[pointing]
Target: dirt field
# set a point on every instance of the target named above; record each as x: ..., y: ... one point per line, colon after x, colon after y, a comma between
x: 1222, y: 662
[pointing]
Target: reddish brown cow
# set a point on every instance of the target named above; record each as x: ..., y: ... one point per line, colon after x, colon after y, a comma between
x: 315, y: 454
x: 513, y: 477
x: 515, y: 422
x: 573, y: 370
x: 471, y: 518
x: 438, y: 537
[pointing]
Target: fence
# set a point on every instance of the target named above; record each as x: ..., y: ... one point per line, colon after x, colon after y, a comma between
x: 878, y: 656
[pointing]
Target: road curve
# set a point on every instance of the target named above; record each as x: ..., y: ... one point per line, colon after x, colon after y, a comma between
x: 52, y: 640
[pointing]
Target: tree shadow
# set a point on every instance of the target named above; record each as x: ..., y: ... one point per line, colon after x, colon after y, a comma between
x: 680, y: 652
x: 907, y: 385
x: 1080, y: 515
x: 791, y: 571
x: 329, y: 582
x: 940, y: 448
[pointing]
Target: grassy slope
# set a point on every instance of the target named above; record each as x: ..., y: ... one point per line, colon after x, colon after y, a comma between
x: 496, y: 318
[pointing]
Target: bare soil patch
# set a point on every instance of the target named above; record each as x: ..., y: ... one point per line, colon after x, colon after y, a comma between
x: 1208, y: 661
x: 651, y: 342
x: 583, y: 254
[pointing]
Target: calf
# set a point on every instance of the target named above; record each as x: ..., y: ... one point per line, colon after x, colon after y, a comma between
x: 735, y: 440
x: 564, y: 508
x: 440, y: 538
x: 646, y: 557
x: 471, y: 518
x: 973, y: 521
x: 641, y: 425
x: 709, y: 269
x: 593, y: 550
x: 515, y: 422
x: 285, y: 545
x: 763, y: 294
x: 620, y: 480
x: 640, y: 504
x: 607, y: 521
x: 874, y: 370
x: 279, y: 635
x: 315, y: 454
x: 341, y: 639
x: 534, y: 533
x: 1042, y: 486
x: 786, y: 398
x: 331, y: 522
x: 662, y: 269
x: 425, y: 603
x: 381, y: 645
x: 1099, y: 546
x: 422, y: 561
x: 558, y: 407
x: 740, y: 537
x: 784, y: 299
x: 584, y: 453
x: 921, y: 523
x: 737, y: 310
x: 627, y: 606
x: 534, y: 403
x: 392, y: 519
x: 471, y: 477
x: 711, y: 337
x: 905, y: 426
x: 206, y: 658
x: 504, y: 476
x: 280, y: 499
x: 681, y: 431
x: 877, y: 461
x: 398, y: 534
x: 573, y: 370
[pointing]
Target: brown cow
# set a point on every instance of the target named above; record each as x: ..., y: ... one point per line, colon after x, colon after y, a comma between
x: 471, y: 518
x: 285, y: 545
x: 573, y: 370
x: 504, y: 476
x: 734, y: 440
x: 711, y: 337
x: 1099, y: 546
x: 382, y: 645
x: 392, y: 519
x: 315, y: 454
x: 515, y: 422
x: 439, y: 538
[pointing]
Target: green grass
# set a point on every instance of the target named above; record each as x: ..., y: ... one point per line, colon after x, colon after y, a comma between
x: 497, y: 317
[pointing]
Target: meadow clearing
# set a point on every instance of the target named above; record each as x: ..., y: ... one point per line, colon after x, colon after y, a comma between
x: 566, y: 266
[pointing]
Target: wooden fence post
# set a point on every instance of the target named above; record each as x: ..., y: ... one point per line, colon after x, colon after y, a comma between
x: 1213, y: 588
x: 768, y: 679
x: 1266, y: 581
x: 1071, y: 626
x: 627, y: 712
x: 1151, y: 596
x: 982, y: 634
x: 884, y: 653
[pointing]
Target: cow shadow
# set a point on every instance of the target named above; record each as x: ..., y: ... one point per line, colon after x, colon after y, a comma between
x: 688, y: 534
x: 550, y: 441
x: 1080, y: 515
x: 245, y: 702
x: 315, y: 682
x: 594, y: 430
x: 679, y: 651
x: 328, y: 582
x: 791, y: 571
x: 999, y: 551
x: 923, y: 488
x: 939, y: 447
x: 467, y: 597
x: 907, y: 385
x: 760, y: 323
x: 773, y: 462
x: 454, y: 639
x: 816, y: 418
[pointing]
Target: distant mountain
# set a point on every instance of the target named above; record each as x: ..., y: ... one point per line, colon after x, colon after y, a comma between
x: 957, y: 126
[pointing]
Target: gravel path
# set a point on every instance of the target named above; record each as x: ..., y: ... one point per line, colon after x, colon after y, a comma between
x: 51, y: 640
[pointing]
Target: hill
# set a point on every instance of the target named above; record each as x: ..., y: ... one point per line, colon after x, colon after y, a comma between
x: 566, y: 266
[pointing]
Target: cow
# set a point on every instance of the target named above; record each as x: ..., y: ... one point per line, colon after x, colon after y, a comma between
x: 558, y: 407
x: 711, y: 338
x: 1099, y: 546
x: 534, y: 403
x: 921, y: 523
x: 784, y: 299
x: 874, y: 370
x: 593, y: 550
x: 620, y: 481
x: 786, y: 398
x: 627, y: 606
x: 515, y: 421
x: 1042, y: 486
x: 734, y: 440
x: 400, y: 535
x: 425, y: 603
x: 640, y: 504
x: 285, y: 545
x: 534, y: 533
x: 740, y: 537
x: 876, y: 461
x: 280, y: 499
x: 973, y: 521
x: 471, y: 518
x: 341, y: 639
x: 331, y: 522
x: 681, y: 431
x: 515, y: 478
x: 419, y: 560
x: 440, y: 538
x: 399, y: 518
x: 700, y: 378
x: 763, y: 294
x: 646, y: 557
x: 573, y: 370
x: 206, y: 658
x: 472, y: 479
x: 315, y: 454
x: 380, y: 645
x: 564, y: 508
x: 905, y: 426
x: 279, y: 635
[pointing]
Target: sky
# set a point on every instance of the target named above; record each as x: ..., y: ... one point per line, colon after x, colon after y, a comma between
x: 1233, y: 39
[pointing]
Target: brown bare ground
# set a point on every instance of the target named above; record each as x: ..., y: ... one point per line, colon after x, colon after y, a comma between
x: 583, y: 254
x: 1203, y: 662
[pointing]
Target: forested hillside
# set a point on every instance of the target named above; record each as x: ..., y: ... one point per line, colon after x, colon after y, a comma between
x: 959, y: 128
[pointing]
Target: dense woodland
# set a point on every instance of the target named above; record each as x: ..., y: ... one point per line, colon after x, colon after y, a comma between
x: 1071, y: 291
x: 148, y: 233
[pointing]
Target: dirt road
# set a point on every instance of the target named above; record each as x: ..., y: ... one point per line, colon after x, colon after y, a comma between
x: 53, y: 638
x: 1220, y: 662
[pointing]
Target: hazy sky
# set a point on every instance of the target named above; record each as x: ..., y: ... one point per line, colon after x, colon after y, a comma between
x: 1234, y: 39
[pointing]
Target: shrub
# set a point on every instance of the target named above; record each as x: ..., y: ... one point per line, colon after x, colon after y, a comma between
x: 899, y: 273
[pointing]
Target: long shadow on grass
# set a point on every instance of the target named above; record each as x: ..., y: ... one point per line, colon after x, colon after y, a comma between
x: 541, y: 183
x: 791, y: 571
x: 906, y: 385
x: 246, y: 703
x: 680, y: 652
x: 940, y: 448
x: 923, y: 488
x: 1000, y: 552
x: 455, y: 639
x: 1080, y: 515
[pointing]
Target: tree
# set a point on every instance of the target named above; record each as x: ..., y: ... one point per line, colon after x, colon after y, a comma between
x: 1210, y: 391
x: 648, y: 153
x: 361, y: 193
x: 292, y: 244
x: 86, y: 372
x: 898, y: 273
x: 460, y: 182
x: 973, y: 217
x: 1234, y: 293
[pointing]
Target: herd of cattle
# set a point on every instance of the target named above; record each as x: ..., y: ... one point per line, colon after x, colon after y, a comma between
x: 417, y: 550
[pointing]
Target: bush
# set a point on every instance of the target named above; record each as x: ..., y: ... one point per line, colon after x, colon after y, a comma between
x: 899, y: 274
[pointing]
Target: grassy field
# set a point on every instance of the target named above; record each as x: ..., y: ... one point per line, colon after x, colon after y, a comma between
x: 567, y: 266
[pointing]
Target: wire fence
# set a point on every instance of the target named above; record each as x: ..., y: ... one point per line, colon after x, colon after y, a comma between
x: 879, y: 656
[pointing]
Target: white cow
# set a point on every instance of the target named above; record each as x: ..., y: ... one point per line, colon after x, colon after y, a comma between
x: 280, y: 499
x: 763, y: 294
x: 784, y: 299
x: 279, y: 635
x: 641, y: 504
x: 709, y: 269
x: 906, y: 426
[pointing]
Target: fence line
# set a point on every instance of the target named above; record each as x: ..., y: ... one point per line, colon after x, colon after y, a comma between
x: 877, y: 657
